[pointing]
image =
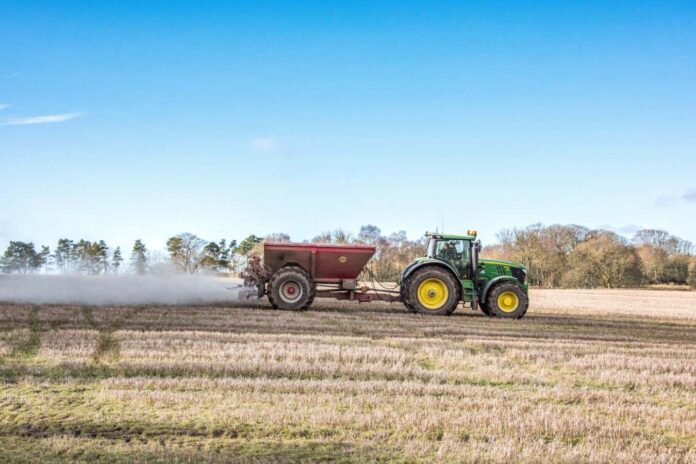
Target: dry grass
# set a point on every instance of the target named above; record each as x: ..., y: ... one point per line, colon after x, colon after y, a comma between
x: 667, y: 304
x: 602, y: 376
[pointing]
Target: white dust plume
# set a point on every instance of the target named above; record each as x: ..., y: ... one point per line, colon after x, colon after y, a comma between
x: 119, y: 290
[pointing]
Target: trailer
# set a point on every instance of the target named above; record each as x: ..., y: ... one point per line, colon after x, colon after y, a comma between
x: 292, y: 275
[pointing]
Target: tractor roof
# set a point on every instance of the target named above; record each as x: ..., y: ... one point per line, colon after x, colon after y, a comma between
x: 450, y: 236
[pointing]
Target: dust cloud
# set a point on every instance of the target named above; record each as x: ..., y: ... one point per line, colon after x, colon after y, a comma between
x: 119, y: 290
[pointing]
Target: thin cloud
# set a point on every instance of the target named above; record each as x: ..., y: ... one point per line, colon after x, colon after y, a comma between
x: 46, y: 119
x: 265, y: 144
x: 665, y: 200
x: 668, y: 200
x: 690, y: 196
x: 629, y: 229
x: 3, y: 106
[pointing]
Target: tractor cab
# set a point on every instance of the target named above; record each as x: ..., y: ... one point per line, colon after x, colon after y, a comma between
x: 455, y: 250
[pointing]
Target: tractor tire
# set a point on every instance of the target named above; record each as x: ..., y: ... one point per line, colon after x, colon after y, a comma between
x: 291, y: 288
x: 409, y: 307
x: 404, y: 297
x: 507, y: 300
x: 484, y: 309
x: 432, y: 290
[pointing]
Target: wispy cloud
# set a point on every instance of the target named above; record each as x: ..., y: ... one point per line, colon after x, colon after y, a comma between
x: 46, y: 119
x: 665, y: 200
x: 668, y: 200
x: 3, y: 106
x: 265, y: 144
x: 629, y: 229
x: 690, y: 196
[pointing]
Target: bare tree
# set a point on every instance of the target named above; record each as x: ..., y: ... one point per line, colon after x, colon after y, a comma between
x: 186, y: 251
x: 338, y: 236
x: 369, y: 234
x: 277, y: 237
x: 604, y: 260
x: 665, y: 257
x: 692, y: 272
x: 324, y: 237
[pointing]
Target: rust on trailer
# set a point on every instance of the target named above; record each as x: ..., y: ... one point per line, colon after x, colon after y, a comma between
x: 325, y: 263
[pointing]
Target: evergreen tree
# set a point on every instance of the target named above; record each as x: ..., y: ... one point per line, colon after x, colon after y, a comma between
x: 46, y: 258
x: 247, y: 244
x: 225, y: 254
x: 211, y: 256
x: 216, y: 256
x: 63, y: 255
x: 100, y: 252
x: 20, y: 257
x: 80, y: 255
x: 139, y: 258
x: 116, y: 260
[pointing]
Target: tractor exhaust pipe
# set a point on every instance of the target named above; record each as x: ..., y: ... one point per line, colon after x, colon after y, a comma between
x: 475, y: 249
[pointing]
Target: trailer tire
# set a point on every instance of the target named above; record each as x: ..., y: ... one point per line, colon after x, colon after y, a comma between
x: 291, y: 288
x: 507, y: 300
x: 432, y: 290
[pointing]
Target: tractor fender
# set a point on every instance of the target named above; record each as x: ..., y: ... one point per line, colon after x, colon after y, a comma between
x: 435, y: 262
x: 493, y: 282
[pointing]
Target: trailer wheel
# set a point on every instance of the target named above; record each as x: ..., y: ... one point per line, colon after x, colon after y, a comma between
x: 432, y: 290
x: 291, y: 288
x: 507, y: 300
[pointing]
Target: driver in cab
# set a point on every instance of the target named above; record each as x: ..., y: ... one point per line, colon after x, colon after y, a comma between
x: 448, y: 252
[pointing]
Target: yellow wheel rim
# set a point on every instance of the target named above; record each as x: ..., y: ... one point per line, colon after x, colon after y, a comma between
x: 508, y: 301
x: 433, y: 293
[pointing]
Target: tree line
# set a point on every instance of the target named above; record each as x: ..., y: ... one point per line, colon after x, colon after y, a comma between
x: 569, y: 256
x: 574, y: 256
x: 186, y: 253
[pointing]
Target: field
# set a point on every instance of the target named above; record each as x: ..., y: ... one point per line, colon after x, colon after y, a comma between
x: 587, y: 376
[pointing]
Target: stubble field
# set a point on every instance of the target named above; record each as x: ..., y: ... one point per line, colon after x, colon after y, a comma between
x: 586, y: 376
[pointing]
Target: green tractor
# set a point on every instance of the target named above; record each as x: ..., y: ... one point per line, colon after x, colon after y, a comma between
x: 452, y: 272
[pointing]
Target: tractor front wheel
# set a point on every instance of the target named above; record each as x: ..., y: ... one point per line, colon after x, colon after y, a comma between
x: 291, y: 288
x: 507, y: 300
x: 432, y: 290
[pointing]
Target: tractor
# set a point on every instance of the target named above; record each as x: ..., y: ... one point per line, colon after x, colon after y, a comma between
x: 293, y: 274
x: 452, y: 272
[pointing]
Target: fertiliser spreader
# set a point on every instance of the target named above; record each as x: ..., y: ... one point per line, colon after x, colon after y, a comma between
x: 293, y: 274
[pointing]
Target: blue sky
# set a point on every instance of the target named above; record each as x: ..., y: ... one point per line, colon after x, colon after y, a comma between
x: 125, y: 120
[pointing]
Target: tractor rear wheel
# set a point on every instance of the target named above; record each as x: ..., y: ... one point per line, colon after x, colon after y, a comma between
x: 507, y: 300
x: 291, y: 288
x: 432, y: 290
x: 484, y: 308
x: 404, y: 297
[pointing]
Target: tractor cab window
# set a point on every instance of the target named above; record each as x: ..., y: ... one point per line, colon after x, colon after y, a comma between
x: 455, y: 252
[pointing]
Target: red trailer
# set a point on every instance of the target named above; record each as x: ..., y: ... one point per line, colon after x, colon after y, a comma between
x: 293, y: 274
